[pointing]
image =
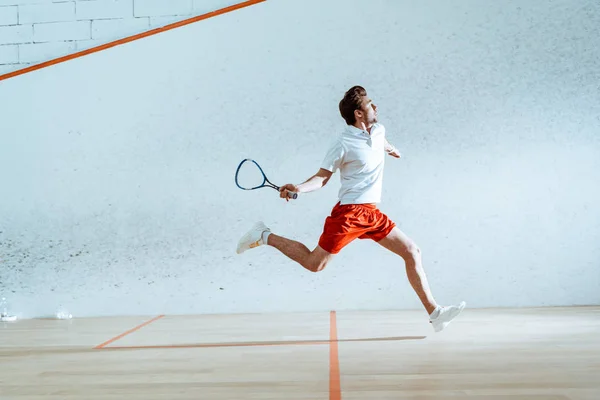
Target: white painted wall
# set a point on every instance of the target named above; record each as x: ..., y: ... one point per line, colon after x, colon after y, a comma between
x: 34, y: 31
x: 117, y: 168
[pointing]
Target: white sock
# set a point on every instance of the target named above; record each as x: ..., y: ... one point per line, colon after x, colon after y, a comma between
x: 265, y: 236
x: 435, y: 313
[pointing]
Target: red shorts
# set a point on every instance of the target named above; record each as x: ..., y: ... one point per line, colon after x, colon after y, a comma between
x: 351, y: 221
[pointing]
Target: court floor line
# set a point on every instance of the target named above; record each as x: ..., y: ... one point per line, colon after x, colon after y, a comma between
x: 335, y: 392
x: 101, y: 346
x: 131, y: 38
x: 260, y: 344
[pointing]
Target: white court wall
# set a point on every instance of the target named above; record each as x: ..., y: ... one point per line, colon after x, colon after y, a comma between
x: 33, y: 31
x: 117, y: 168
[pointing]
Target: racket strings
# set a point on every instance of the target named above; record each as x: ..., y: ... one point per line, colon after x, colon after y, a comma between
x: 249, y: 176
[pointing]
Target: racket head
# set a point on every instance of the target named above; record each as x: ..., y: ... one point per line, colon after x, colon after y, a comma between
x: 256, y: 181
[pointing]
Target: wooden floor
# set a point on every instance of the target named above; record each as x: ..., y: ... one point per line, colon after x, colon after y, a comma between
x: 529, y: 354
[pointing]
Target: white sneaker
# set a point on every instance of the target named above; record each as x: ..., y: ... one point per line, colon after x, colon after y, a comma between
x: 445, y: 315
x: 252, y: 238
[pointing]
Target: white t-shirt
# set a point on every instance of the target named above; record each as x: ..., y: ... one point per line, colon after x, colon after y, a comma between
x: 360, y: 157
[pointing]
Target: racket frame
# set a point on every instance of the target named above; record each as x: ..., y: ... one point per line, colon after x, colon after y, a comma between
x: 266, y: 181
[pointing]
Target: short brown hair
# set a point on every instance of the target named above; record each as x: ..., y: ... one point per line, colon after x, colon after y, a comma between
x: 352, y: 101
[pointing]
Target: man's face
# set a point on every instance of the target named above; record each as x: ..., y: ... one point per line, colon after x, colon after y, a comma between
x: 368, y: 111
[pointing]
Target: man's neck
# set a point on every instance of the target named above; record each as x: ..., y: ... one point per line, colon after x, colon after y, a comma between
x: 362, y: 126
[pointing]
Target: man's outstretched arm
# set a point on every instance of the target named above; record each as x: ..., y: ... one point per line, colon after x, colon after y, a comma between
x: 392, y: 150
x: 315, y: 182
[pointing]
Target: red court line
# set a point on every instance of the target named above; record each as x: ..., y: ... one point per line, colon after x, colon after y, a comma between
x: 130, y: 38
x: 207, y: 345
x: 258, y: 344
x: 100, y: 346
x: 335, y: 392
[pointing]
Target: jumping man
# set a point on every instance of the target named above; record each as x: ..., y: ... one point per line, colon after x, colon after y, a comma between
x: 359, y: 154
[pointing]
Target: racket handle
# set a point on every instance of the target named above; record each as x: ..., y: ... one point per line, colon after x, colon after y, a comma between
x: 290, y: 194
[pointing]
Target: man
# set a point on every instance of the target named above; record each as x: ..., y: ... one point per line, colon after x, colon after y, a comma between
x: 359, y: 154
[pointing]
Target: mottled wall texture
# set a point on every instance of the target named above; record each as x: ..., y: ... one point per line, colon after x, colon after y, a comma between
x: 33, y: 31
x: 117, y: 193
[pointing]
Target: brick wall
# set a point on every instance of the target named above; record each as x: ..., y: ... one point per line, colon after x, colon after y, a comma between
x: 33, y: 31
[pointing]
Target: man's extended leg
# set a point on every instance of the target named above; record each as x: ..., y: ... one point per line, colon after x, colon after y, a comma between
x: 260, y: 234
x: 399, y: 243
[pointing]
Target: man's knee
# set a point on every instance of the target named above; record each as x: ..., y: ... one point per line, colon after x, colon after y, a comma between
x: 318, y: 261
x: 413, y: 252
x: 317, y: 265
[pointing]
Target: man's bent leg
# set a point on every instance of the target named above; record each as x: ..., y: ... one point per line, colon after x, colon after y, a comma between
x: 335, y: 236
x: 398, y: 242
x: 260, y: 235
x: 313, y: 261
